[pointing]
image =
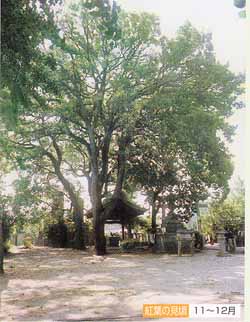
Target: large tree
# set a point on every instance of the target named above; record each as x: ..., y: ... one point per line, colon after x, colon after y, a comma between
x: 106, y: 78
x: 103, y: 69
x: 181, y: 152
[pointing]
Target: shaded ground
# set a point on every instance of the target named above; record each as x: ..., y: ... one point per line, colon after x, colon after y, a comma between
x: 64, y: 284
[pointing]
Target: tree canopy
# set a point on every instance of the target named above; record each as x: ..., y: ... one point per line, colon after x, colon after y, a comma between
x: 25, y: 25
x: 229, y: 214
x: 112, y: 99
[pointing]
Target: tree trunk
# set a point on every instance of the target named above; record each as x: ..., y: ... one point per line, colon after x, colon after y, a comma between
x: 98, y: 222
x: 163, y: 207
x: 155, y: 210
x: 121, y: 164
x: 130, y: 235
x: 1, y: 246
x: 96, y: 193
x: 154, y: 213
x: 123, y: 232
x: 99, y: 237
x: 77, y: 210
x: 74, y: 198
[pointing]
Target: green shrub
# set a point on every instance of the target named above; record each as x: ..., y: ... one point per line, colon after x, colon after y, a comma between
x: 7, y: 246
x: 133, y: 244
x: 27, y: 242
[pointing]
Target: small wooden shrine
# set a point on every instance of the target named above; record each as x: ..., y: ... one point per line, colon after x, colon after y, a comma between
x: 119, y: 210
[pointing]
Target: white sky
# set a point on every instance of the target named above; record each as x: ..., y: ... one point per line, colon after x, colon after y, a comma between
x: 221, y: 18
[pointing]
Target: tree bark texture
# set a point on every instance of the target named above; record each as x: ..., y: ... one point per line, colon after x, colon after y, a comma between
x: 77, y: 211
x: 154, y: 213
x: 121, y: 164
x: 123, y: 232
x: 96, y: 197
x: 155, y: 210
x: 130, y: 235
x: 98, y: 222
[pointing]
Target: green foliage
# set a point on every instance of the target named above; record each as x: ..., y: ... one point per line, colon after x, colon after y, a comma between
x: 109, y: 84
x: 6, y: 220
x: 179, y: 151
x: 133, y: 245
x: 27, y: 242
x: 24, y: 26
x: 27, y: 203
x: 142, y: 224
x: 30, y: 209
x: 242, y: 14
x: 229, y: 214
x: 7, y: 246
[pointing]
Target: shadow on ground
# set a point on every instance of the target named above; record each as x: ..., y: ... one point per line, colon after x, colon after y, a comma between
x: 64, y: 284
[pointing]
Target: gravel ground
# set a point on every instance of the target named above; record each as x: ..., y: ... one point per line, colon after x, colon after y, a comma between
x: 45, y: 284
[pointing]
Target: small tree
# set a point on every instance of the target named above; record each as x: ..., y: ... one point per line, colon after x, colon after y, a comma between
x: 229, y: 214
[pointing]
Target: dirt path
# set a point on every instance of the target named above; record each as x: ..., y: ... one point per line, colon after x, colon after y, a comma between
x: 60, y: 284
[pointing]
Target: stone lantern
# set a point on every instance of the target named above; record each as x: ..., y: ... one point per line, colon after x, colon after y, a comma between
x: 185, y: 237
x: 221, y: 241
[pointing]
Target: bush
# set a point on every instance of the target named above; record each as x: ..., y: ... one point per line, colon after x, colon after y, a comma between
x: 27, y: 242
x: 58, y: 235
x: 133, y: 244
x: 7, y: 246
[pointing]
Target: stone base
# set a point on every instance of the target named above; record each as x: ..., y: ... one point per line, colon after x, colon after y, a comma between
x: 169, y: 244
x: 220, y: 254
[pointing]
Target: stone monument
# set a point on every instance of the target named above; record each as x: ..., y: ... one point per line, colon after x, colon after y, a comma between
x: 171, y: 225
x: 185, y: 238
x: 174, y: 237
x: 222, y: 242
